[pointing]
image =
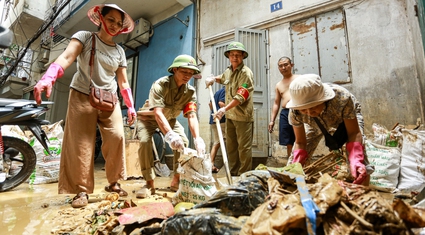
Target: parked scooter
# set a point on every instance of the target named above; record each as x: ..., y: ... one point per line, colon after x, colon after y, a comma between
x: 18, y: 158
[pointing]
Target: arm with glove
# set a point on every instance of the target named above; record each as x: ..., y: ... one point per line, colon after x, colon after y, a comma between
x: 242, y: 95
x: 194, y: 129
x: 171, y: 137
x: 126, y: 93
x: 56, y: 69
x: 211, y: 79
x: 356, y: 158
x: 220, y: 113
x: 128, y: 100
x: 46, y: 83
x: 355, y: 151
x: 300, y: 154
x: 174, y: 140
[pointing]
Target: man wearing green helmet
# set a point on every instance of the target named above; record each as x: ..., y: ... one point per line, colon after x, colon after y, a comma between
x: 168, y: 97
x: 239, y: 109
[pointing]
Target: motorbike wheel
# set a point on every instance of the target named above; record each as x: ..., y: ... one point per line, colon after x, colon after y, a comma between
x: 23, y: 159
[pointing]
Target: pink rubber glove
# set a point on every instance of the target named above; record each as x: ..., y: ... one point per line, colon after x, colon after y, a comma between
x: 128, y: 100
x: 46, y: 83
x: 356, y: 158
x: 300, y: 155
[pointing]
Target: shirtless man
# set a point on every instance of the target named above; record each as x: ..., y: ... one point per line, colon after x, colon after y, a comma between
x: 286, y: 133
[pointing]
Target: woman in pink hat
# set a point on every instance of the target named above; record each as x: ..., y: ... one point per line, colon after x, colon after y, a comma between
x: 331, y: 111
x: 107, y: 71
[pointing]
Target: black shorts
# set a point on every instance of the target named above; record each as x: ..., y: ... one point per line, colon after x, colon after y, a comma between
x: 286, y: 132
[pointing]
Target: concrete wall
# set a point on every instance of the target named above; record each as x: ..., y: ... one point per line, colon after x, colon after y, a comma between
x: 418, y: 50
x: 385, y: 46
x: 170, y: 39
x: 384, y: 68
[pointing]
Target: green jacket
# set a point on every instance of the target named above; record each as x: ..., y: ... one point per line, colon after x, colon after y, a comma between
x: 234, y: 80
x: 165, y: 94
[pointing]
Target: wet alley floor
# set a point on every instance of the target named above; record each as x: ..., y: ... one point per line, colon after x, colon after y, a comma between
x: 31, y: 209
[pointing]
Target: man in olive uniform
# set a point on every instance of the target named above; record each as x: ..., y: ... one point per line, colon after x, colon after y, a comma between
x: 239, y: 109
x: 168, y: 97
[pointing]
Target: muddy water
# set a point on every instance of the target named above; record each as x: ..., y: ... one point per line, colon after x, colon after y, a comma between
x: 30, y: 209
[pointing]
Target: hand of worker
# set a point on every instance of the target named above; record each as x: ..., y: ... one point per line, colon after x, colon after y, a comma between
x: 174, y: 140
x: 271, y: 125
x: 300, y: 155
x: 128, y: 100
x: 209, y: 80
x: 199, y: 146
x: 356, y: 158
x: 46, y: 83
x: 220, y: 113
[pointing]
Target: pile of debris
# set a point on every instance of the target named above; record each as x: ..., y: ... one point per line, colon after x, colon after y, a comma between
x: 259, y: 204
x: 316, y: 199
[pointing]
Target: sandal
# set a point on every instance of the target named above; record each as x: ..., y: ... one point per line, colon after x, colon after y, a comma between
x: 174, y: 188
x: 117, y: 189
x: 214, y: 169
x: 81, y: 200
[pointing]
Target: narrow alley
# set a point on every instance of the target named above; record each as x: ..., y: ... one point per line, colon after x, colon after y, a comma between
x: 33, y: 209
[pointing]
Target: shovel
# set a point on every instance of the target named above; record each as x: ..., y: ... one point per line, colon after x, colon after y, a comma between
x: 160, y: 169
x: 220, y: 135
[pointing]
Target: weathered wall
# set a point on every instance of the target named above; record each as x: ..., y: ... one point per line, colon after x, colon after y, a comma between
x: 384, y: 69
x: 419, y: 52
x: 386, y: 52
x: 220, y: 17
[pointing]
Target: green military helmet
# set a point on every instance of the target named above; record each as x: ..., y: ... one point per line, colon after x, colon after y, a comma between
x: 184, y: 61
x: 236, y: 46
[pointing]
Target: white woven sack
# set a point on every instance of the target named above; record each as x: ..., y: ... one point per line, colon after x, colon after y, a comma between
x: 412, y: 166
x: 196, y: 184
x: 47, y: 166
x: 386, y: 161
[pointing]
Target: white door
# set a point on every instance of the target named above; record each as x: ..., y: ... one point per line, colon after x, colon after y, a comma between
x: 255, y: 44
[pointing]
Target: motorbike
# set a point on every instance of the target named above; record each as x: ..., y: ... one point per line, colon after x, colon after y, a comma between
x: 18, y: 158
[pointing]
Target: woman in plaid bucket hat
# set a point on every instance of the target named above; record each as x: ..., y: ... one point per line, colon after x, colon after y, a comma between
x: 105, y: 69
x: 338, y: 113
